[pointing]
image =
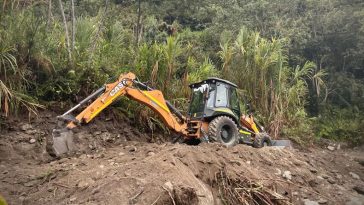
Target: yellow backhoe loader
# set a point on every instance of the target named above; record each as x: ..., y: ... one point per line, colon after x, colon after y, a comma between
x: 213, y: 114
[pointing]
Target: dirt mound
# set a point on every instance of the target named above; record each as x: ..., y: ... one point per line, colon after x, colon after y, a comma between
x: 110, y: 169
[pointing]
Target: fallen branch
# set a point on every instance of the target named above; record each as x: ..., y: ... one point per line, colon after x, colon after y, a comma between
x: 132, y: 200
x: 242, y: 190
x: 156, y: 200
x: 299, y: 186
x: 61, y: 185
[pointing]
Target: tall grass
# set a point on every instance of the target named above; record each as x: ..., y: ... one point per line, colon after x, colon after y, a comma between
x: 13, y: 84
x: 259, y: 66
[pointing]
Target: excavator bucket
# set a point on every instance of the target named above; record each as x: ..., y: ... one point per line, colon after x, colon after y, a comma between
x: 61, y: 141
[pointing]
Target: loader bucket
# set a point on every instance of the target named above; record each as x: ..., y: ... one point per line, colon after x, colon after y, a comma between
x: 282, y: 143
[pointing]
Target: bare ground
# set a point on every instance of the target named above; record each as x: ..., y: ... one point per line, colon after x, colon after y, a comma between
x: 117, y: 164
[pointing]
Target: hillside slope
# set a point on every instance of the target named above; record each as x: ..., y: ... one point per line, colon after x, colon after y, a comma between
x: 117, y: 165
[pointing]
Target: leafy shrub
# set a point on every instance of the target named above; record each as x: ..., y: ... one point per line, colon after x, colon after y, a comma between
x: 341, y: 125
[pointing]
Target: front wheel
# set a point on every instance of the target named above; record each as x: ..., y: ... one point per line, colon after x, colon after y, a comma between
x: 262, y: 140
x: 224, y: 130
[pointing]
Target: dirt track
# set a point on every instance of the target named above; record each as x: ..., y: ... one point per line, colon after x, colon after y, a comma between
x: 111, y: 169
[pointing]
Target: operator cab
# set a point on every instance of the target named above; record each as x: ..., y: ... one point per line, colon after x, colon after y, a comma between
x: 213, y: 97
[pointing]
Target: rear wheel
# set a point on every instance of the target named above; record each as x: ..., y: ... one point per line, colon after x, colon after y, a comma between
x: 224, y: 130
x: 262, y: 140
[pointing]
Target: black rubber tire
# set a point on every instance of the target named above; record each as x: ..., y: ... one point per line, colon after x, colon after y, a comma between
x: 262, y: 140
x: 224, y: 130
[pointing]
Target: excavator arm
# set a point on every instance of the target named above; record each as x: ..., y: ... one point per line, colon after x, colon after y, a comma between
x: 128, y: 86
x: 108, y: 94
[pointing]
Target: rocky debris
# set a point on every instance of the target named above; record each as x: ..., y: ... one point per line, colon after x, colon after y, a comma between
x: 322, y: 201
x: 96, y: 190
x: 359, y: 189
x: 355, y: 200
x: 334, y: 171
x: 279, y: 172
x: 97, y: 133
x: 354, y: 176
x: 313, y: 183
x: 338, y: 147
x: 320, y: 177
x: 32, y: 141
x: 360, y: 161
x: 31, y: 132
x: 331, y: 148
x: 313, y: 170
x: 151, y: 154
x: 26, y: 127
x: 31, y: 183
x: 92, y: 147
x: 331, y: 180
x: 132, y: 149
x: 72, y: 199
x: 84, y: 183
x: 287, y: 175
x: 98, y: 156
x: 106, y: 137
x: 309, y: 202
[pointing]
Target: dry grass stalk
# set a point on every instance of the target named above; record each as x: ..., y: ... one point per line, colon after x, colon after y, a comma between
x: 241, y: 190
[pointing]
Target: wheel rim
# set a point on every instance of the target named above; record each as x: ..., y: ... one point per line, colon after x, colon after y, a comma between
x: 226, y: 133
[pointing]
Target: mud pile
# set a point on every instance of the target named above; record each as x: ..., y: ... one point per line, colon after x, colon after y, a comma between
x: 118, y: 165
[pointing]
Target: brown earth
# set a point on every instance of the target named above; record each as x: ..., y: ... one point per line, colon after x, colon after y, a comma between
x: 117, y: 164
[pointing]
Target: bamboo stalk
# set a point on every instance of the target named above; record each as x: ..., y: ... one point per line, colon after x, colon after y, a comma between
x: 49, y: 13
x: 98, y: 31
x: 66, y: 30
x: 73, y: 25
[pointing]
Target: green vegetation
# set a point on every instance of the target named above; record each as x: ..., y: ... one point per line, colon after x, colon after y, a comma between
x: 299, y: 63
x: 277, y: 90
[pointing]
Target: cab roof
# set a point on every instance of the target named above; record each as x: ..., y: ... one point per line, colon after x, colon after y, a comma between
x: 212, y: 80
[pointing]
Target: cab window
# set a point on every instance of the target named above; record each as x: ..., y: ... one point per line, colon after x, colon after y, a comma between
x: 211, y: 96
x: 221, y: 95
x: 234, y: 101
x: 197, y: 102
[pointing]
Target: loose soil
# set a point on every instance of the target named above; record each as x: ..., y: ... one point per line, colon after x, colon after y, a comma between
x: 118, y: 164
